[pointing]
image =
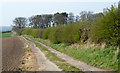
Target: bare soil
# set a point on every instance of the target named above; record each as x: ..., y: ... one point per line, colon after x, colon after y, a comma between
x: 12, y: 53
x: 29, y: 62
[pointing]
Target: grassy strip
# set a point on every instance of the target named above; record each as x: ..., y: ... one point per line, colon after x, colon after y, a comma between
x: 59, y: 62
x: 102, y: 58
x: 4, y: 35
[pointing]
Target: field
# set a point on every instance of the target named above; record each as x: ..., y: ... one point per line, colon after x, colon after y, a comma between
x: 4, y: 35
x: 12, y: 53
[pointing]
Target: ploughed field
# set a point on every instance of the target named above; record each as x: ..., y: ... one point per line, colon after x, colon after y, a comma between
x: 12, y: 53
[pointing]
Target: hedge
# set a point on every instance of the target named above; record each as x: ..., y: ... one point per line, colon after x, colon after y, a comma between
x: 35, y: 33
x: 27, y: 31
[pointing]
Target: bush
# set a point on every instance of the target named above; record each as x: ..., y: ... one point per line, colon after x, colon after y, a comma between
x: 27, y: 31
x: 46, y: 32
x: 106, y: 29
x: 66, y: 34
x: 19, y: 31
x: 56, y: 34
x: 35, y: 33
x: 71, y: 33
x: 41, y: 33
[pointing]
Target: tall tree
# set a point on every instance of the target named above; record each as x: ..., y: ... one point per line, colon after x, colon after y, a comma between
x: 36, y: 21
x: 60, y: 18
x: 83, y: 15
x: 86, y: 15
x: 47, y: 20
x: 77, y: 18
x: 71, y: 17
x: 65, y: 16
x: 20, y: 22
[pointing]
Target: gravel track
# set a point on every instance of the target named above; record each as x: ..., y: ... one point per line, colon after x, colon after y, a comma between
x: 77, y: 63
x: 43, y: 63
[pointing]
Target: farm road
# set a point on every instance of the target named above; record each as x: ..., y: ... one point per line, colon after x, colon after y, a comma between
x: 78, y: 64
x: 43, y: 63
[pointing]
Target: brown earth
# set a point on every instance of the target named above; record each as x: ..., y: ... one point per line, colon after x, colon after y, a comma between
x: 12, y: 53
x: 29, y: 62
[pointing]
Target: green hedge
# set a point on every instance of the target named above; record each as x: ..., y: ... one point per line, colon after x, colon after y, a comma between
x: 41, y: 33
x: 71, y: 33
x: 107, y: 28
x: 103, y: 30
x: 65, y: 34
x: 55, y: 34
x: 35, y: 33
x: 60, y: 34
x: 27, y: 31
x: 46, y: 32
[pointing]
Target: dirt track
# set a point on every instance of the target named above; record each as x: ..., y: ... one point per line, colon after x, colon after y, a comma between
x: 43, y: 64
x: 79, y: 64
x: 12, y: 53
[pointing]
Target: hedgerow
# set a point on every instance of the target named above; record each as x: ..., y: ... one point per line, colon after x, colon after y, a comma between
x: 46, y: 32
x: 27, y: 31
x: 71, y: 33
x: 35, y: 33
x: 55, y: 34
x: 105, y: 29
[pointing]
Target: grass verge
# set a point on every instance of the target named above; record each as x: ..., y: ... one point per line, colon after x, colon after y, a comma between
x: 101, y: 58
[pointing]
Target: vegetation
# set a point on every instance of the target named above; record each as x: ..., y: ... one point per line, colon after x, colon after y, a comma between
x: 106, y: 29
x: 62, y: 29
x: 4, y: 35
x: 27, y: 31
x: 20, y: 22
x: 59, y: 62
x: 103, y: 58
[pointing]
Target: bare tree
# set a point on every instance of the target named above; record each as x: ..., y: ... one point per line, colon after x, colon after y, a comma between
x: 77, y: 18
x: 86, y: 15
x: 20, y: 22
x: 83, y: 15
x: 71, y: 17
x: 47, y: 20
x: 36, y: 21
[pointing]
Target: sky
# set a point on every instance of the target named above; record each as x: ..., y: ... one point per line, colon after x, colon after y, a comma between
x: 10, y: 9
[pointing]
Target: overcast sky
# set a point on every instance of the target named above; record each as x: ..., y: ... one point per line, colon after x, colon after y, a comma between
x: 23, y: 8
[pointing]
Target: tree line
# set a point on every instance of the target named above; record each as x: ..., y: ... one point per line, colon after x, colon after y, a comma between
x: 66, y: 28
x: 52, y: 20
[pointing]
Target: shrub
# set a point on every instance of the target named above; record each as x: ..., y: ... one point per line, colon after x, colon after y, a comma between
x: 66, y: 34
x: 19, y: 31
x: 27, y: 31
x: 107, y: 28
x: 35, y: 33
x: 41, y: 33
x: 71, y: 33
x: 46, y: 32
x: 56, y: 34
